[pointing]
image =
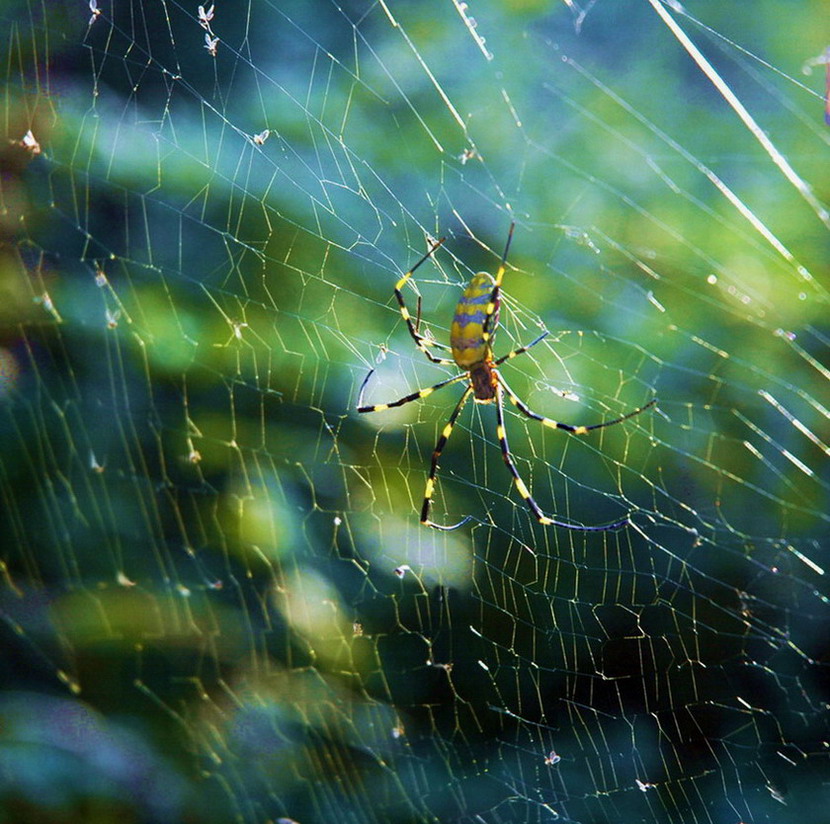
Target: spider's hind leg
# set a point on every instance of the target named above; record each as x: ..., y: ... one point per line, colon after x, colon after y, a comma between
x: 433, y: 470
x: 521, y: 486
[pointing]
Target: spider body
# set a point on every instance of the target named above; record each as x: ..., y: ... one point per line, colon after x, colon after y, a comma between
x: 471, y: 341
x: 472, y: 331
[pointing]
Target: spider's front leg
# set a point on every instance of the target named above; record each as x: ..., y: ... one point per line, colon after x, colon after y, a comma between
x: 491, y: 310
x: 422, y: 342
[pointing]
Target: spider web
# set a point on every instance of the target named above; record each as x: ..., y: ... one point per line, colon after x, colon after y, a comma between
x: 218, y: 603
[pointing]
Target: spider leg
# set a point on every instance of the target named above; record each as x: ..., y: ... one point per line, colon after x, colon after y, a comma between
x: 503, y: 264
x: 521, y: 350
x: 491, y: 310
x: 421, y: 393
x: 433, y: 470
x: 422, y: 342
x: 522, y: 487
x: 568, y: 427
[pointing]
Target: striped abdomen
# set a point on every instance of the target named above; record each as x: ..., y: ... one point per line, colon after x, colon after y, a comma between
x: 469, y: 341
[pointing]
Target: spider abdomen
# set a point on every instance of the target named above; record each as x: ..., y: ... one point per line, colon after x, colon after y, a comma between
x: 474, y: 323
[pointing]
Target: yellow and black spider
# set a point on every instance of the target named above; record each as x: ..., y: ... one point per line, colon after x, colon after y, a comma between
x: 471, y: 344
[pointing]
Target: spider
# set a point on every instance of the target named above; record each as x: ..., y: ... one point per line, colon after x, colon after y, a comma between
x: 471, y: 345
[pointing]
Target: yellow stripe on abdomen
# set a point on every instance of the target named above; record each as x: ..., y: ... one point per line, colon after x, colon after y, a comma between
x: 469, y: 343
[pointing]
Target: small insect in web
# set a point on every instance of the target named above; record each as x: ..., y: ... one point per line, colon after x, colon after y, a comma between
x: 471, y: 346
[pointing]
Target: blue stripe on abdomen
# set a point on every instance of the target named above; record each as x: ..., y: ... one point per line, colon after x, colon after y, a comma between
x: 472, y: 300
x: 467, y: 340
x: 464, y: 318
